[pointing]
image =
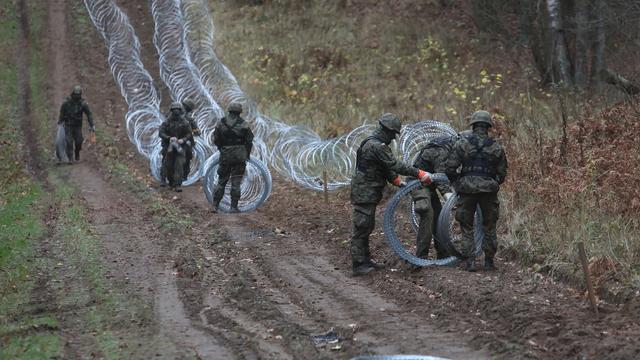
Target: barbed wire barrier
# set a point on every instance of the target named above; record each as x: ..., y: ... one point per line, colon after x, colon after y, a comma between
x: 400, y: 227
x: 254, y: 193
x: 184, y: 39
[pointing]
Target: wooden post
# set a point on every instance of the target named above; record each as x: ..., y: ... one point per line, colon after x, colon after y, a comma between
x: 324, y: 186
x: 587, y: 276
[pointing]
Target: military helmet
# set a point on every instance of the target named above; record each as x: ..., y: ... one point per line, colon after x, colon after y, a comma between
x: 175, y: 105
x: 390, y: 122
x: 77, y: 90
x: 481, y: 116
x: 188, y: 105
x: 235, y: 107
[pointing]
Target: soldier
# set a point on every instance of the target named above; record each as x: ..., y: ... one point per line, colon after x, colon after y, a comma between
x: 71, y: 116
x: 175, y: 133
x: 189, y: 106
x: 234, y: 140
x: 375, y: 166
x: 427, y: 205
x: 483, y: 168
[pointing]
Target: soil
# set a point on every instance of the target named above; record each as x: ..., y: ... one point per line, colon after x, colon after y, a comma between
x: 260, y: 285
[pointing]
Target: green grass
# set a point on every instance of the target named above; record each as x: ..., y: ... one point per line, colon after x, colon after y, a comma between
x: 331, y: 65
x: 25, y: 332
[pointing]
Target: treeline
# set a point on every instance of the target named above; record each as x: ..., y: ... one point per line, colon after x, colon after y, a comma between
x: 569, y: 41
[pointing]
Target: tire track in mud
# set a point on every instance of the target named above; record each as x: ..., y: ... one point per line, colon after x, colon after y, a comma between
x: 323, y: 293
x: 135, y: 259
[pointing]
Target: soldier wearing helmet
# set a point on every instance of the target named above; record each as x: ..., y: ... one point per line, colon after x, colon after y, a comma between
x: 189, y: 106
x: 234, y: 140
x: 477, y: 166
x: 432, y: 158
x: 375, y: 166
x: 175, y: 134
x: 71, y: 113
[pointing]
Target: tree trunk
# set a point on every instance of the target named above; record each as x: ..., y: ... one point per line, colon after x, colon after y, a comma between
x: 560, y: 53
x: 582, y: 43
x: 599, y: 66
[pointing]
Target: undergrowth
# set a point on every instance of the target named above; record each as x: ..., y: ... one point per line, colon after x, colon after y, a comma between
x: 332, y: 65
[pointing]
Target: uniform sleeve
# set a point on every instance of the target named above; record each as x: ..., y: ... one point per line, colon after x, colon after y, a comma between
x: 87, y: 110
x: 501, y: 169
x: 441, y: 167
x: 384, y: 155
x: 249, y: 141
x: 61, y: 116
x: 217, y: 139
x: 453, y: 162
x: 162, y: 132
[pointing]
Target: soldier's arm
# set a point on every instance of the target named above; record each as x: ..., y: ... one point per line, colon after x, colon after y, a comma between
x: 87, y: 110
x: 453, y: 162
x: 249, y: 141
x: 194, y: 127
x: 61, y: 116
x: 440, y: 167
x: 501, y: 169
x: 216, y: 136
x: 385, y: 156
x: 162, y: 132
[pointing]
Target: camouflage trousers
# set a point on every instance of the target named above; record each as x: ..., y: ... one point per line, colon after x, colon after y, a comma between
x: 172, y: 168
x: 465, y: 214
x: 188, y: 155
x: 364, y: 221
x: 73, y: 135
x: 226, y: 172
x: 427, y: 206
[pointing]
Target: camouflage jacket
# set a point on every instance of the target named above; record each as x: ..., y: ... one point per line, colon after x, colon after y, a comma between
x: 375, y: 166
x: 432, y: 158
x: 481, y: 161
x: 234, y: 139
x: 192, y: 122
x: 71, y: 113
x: 178, y: 128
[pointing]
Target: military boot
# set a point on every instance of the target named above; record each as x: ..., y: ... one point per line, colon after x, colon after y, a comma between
x: 216, y: 205
x: 470, y: 265
x: 234, y: 206
x: 177, y: 188
x: 376, y: 265
x: 362, y: 269
x: 489, y: 264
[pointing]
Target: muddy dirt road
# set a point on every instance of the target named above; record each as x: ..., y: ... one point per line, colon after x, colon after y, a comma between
x: 260, y: 285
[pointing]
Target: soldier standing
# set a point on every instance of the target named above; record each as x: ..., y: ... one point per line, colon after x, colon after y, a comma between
x: 189, y: 106
x: 234, y: 140
x: 427, y: 204
x: 71, y: 116
x: 375, y: 166
x: 174, y: 133
x: 483, y: 168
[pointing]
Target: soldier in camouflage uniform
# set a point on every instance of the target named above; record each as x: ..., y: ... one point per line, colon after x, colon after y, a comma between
x: 189, y: 106
x: 234, y: 140
x: 174, y: 133
x: 483, y: 168
x: 71, y: 116
x: 427, y: 205
x: 375, y: 166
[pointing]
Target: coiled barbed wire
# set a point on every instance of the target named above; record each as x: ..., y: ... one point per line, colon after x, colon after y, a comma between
x: 136, y: 85
x: 296, y: 152
x: 255, y: 188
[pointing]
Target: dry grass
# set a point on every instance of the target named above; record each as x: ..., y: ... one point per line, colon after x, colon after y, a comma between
x: 334, y: 64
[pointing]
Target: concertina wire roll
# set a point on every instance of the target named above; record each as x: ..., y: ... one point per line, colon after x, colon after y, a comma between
x: 185, y: 42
